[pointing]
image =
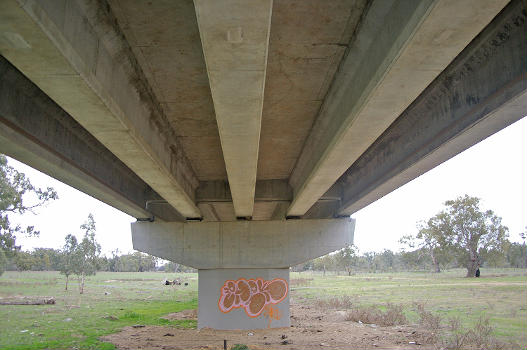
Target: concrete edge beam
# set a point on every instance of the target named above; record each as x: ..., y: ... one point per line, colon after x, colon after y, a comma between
x: 36, y: 131
x: 460, y: 108
x: 243, y: 244
x: 75, y: 52
x: 235, y: 39
x: 371, y: 88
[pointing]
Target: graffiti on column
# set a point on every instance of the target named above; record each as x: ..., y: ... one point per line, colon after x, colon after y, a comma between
x: 253, y: 295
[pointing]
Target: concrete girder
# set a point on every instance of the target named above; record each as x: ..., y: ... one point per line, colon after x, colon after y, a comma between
x: 36, y: 131
x: 372, y: 87
x: 75, y: 52
x: 482, y: 91
x: 242, y: 244
x: 235, y: 39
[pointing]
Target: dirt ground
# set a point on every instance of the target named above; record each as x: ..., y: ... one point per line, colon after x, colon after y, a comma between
x: 311, y: 328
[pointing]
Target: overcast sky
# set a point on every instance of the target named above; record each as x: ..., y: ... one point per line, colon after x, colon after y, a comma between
x: 494, y: 170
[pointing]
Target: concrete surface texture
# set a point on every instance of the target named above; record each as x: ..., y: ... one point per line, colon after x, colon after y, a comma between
x: 387, y: 67
x: 235, y: 39
x: 242, y: 244
x: 236, y: 94
x: 78, y: 57
x: 34, y: 128
x: 243, y: 298
x: 449, y: 127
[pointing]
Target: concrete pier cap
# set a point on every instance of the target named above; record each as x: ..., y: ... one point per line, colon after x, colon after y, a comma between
x: 243, y: 266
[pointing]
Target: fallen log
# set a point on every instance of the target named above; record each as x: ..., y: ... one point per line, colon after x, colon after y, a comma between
x: 28, y: 301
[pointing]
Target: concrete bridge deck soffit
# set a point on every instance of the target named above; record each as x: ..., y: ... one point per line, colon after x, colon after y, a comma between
x: 254, y: 110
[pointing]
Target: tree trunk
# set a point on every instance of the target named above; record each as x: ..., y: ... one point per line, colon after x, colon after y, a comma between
x: 437, y: 269
x: 67, y: 278
x: 324, y: 270
x: 471, y: 269
x: 472, y: 264
x: 82, y: 283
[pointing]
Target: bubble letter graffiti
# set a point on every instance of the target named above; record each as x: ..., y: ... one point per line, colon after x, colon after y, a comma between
x: 252, y: 295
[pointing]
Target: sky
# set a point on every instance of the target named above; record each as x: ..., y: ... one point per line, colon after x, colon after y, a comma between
x: 494, y: 170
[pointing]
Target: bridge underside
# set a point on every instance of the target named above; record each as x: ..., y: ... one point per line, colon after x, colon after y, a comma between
x: 224, y: 122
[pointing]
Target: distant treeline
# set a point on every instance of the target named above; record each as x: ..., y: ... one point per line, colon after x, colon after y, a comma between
x: 349, y: 261
x: 48, y: 259
x: 346, y: 260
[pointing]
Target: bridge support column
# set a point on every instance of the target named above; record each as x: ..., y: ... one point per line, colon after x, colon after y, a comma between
x: 244, y: 265
x: 243, y: 298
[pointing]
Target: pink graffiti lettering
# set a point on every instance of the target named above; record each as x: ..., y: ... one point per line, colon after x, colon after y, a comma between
x: 252, y: 295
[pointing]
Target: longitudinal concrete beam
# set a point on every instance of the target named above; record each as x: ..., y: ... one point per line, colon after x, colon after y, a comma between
x: 75, y: 52
x: 482, y: 91
x: 36, y: 131
x: 400, y: 47
x: 235, y: 39
x: 242, y: 244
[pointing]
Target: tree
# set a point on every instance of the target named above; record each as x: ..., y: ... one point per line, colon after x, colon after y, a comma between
x: 466, y: 232
x: 24, y: 261
x: 516, y: 255
x: 69, y: 251
x: 3, y: 262
x: 430, y: 241
x: 385, y: 260
x: 14, y: 190
x: 114, y: 261
x: 412, y: 260
x: 86, y: 254
x: 523, y: 236
x: 137, y: 262
x: 172, y: 267
x: 325, y: 263
x: 346, y: 258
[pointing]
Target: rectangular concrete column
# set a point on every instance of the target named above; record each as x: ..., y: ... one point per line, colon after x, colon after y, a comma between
x: 243, y: 298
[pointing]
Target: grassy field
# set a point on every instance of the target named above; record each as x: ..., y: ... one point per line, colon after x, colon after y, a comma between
x: 76, y: 321
x: 500, y: 295
x: 114, y: 300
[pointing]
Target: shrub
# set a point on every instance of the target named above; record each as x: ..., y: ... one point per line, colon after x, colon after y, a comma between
x: 240, y: 347
x: 392, y: 316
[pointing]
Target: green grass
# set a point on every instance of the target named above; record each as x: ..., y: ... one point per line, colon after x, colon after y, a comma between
x: 500, y: 294
x: 77, y: 321
x: 141, y: 298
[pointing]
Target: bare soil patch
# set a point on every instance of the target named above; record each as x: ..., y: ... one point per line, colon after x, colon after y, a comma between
x: 311, y: 328
x: 182, y: 315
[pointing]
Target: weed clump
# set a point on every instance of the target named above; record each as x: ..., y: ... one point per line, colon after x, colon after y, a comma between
x: 427, y: 319
x: 240, y: 347
x: 478, y: 337
x: 370, y: 315
x: 343, y: 302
